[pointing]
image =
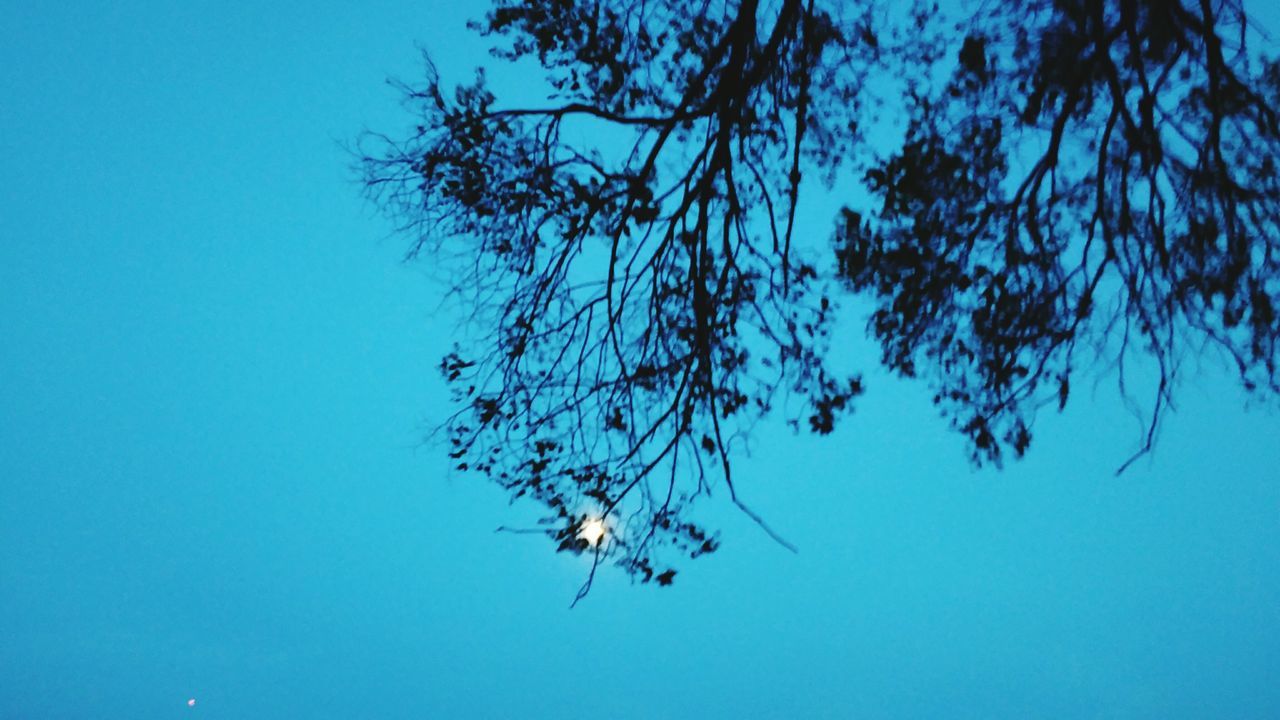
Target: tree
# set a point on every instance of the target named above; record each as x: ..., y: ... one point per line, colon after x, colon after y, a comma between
x: 1096, y: 177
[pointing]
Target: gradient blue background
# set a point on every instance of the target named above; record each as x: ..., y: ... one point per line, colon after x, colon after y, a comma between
x: 215, y: 373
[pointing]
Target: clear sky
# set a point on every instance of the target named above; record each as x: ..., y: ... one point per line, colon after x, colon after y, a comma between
x: 214, y: 374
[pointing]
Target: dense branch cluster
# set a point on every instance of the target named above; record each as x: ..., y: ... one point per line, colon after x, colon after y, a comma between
x: 1095, y: 174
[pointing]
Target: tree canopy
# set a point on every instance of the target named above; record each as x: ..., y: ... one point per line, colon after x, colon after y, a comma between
x: 1079, y: 181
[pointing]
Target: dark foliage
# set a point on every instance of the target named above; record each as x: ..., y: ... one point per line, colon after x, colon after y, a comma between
x: 1096, y: 175
x: 1098, y: 178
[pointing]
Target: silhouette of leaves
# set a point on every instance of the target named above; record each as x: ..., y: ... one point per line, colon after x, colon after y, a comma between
x: 1092, y: 180
x: 1096, y: 179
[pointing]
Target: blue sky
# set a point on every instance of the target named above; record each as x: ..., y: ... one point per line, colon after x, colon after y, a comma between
x: 216, y: 374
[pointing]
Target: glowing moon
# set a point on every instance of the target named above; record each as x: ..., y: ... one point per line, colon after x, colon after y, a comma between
x: 592, y: 531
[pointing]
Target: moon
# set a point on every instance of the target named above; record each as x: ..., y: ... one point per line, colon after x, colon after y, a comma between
x: 593, y: 530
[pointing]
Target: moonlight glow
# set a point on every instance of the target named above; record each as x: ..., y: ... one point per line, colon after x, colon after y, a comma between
x: 592, y: 531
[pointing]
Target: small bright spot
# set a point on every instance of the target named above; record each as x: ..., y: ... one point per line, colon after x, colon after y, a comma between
x: 592, y: 531
x: 191, y: 702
